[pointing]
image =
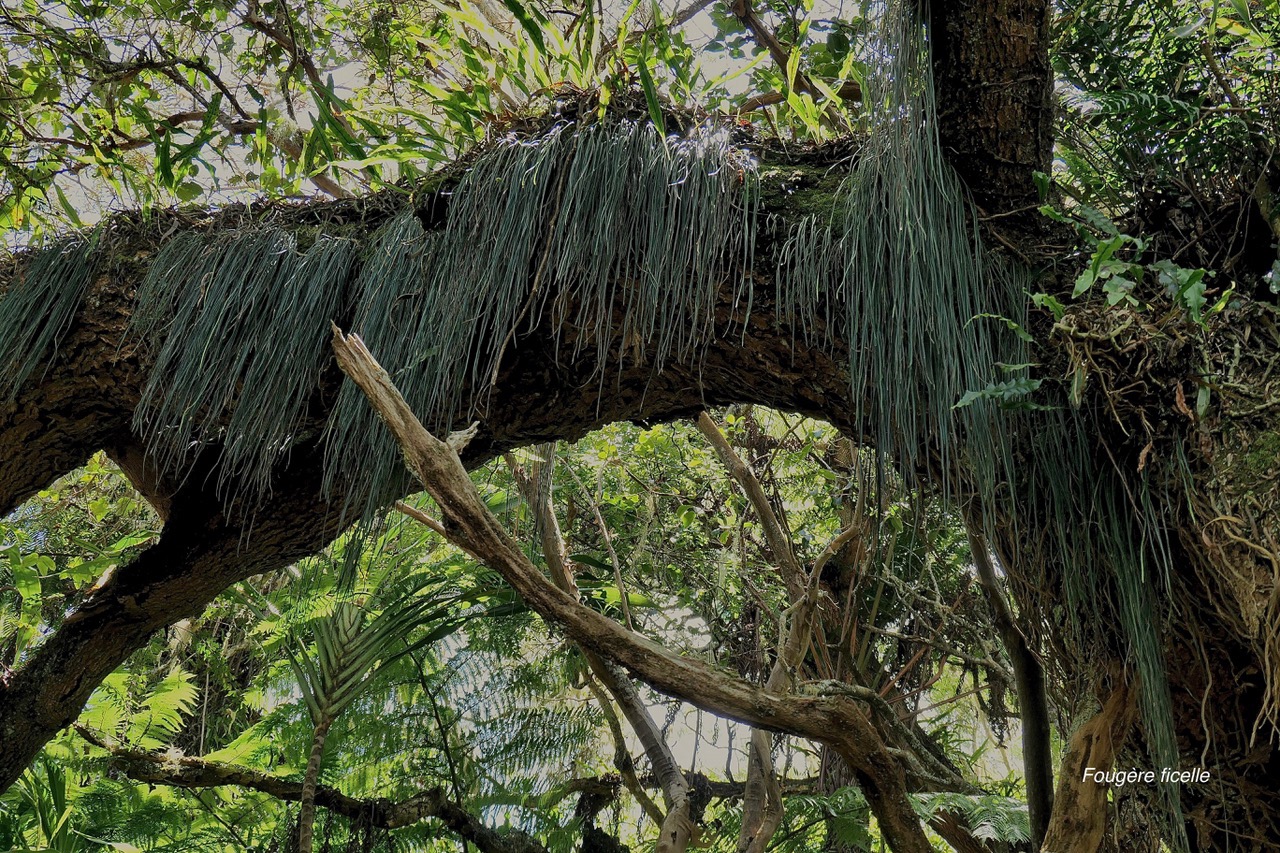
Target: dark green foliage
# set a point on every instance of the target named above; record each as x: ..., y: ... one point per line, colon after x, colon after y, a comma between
x: 994, y: 818
x: 610, y: 232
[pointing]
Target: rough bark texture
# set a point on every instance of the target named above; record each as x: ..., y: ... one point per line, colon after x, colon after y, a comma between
x: 307, y: 810
x: 199, y: 553
x: 84, y: 405
x: 994, y: 83
x: 676, y: 828
x: 1079, y: 824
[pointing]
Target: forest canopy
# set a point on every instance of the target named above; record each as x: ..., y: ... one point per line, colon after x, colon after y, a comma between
x: 740, y: 426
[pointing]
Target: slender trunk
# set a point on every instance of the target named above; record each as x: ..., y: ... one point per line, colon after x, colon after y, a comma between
x: 1033, y: 702
x: 762, y: 804
x: 622, y: 757
x: 677, y: 830
x: 307, y: 814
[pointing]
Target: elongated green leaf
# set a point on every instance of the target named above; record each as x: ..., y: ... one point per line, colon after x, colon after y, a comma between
x: 532, y: 25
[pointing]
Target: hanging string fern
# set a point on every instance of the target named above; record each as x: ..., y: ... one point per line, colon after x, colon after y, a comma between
x: 911, y: 275
x: 37, y: 307
x: 577, y: 222
x: 1115, y: 561
x: 238, y: 328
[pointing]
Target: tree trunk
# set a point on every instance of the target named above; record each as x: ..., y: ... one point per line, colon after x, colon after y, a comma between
x: 1033, y: 703
x: 1078, y: 825
x: 762, y: 797
x: 307, y: 809
x: 994, y: 87
x: 85, y: 402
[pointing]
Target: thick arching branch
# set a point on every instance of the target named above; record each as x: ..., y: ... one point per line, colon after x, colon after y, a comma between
x: 201, y: 551
x: 86, y: 399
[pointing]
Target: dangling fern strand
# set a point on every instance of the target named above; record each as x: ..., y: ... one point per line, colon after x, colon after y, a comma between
x: 37, y: 307
x: 237, y: 327
x: 577, y: 222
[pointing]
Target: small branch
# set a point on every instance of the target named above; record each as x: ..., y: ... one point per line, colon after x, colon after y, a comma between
x: 716, y: 789
x: 183, y: 771
x: 422, y: 518
x: 297, y: 56
x: 622, y: 758
x: 746, y: 13
x: 849, y: 91
x: 613, y: 554
x: 677, y: 828
x: 688, y: 13
x: 241, y: 124
x: 777, y: 537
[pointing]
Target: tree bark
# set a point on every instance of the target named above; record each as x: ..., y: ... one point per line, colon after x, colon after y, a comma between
x: 676, y: 829
x: 85, y: 401
x: 307, y: 810
x: 994, y: 85
x: 1078, y: 826
x: 1033, y: 702
x: 198, y: 555
x: 205, y: 547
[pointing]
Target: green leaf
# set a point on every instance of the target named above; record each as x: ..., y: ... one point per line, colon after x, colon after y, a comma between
x: 591, y: 560
x: 1084, y: 281
x: 650, y: 92
x: 1044, y: 300
x: 1105, y: 250
x: 531, y: 25
x: 1042, y: 182
x: 1202, y: 401
x: 98, y: 508
x: 1009, y: 393
x: 189, y: 191
x: 1015, y: 327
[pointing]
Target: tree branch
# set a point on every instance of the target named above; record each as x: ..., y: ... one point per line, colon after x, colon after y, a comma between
x: 833, y: 721
x: 622, y: 758
x: 676, y: 829
x: 184, y: 771
x: 776, y: 536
